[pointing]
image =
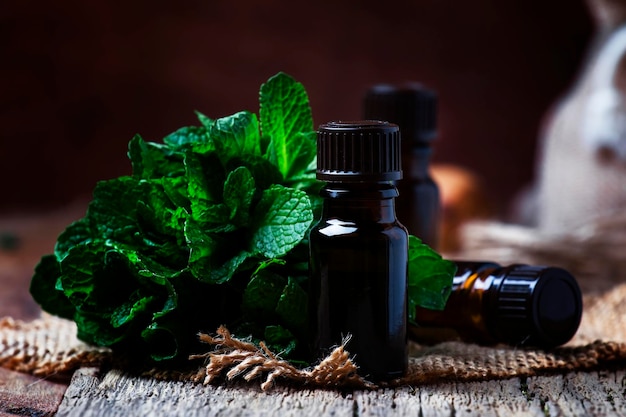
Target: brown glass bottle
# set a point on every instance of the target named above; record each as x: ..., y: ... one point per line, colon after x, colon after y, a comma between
x: 358, y: 250
x: 414, y: 109
x: 520, y: 305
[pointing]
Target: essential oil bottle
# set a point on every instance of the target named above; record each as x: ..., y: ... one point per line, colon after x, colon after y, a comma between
x: 519, y: 305
x: 359, y: 250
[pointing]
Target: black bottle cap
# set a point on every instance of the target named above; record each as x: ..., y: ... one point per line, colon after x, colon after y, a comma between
x: 411, y: 106
x: 535, y: 306
x: 358, y: 151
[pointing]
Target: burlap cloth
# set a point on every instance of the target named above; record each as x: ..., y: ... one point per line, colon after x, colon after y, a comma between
x: 48, y: 347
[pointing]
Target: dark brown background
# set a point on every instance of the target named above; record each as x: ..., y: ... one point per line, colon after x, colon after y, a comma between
x: 78, y: 80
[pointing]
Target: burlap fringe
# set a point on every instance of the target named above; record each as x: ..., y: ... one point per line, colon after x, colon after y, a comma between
x: 246, y: 360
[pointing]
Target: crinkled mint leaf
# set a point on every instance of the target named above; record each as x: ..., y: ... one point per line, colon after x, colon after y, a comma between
x: 157, y: 216
x: 430, y: 277
x: 188, y: 136
x: 146, y: 268
x: 213, y: 270
x: 205, y: 183
x: 76, y: 233
x: 176, y: 190
x: 281, y: 220
x: 93, y: 328
x: 263, y: 171
x: 43, y: 288
x: 239, y: 190
x: 236, y: 135
x: 113, y: 210
x: 213, y: 258
x: 133, y: 309
x: 79, y: 267
x: 262, y: 295
x: 285, y: 115
x: 154, y: 160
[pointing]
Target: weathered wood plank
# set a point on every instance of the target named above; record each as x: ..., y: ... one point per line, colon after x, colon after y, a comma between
x: 117, y: 394
x: 26, y: 395
x: 599, y: 394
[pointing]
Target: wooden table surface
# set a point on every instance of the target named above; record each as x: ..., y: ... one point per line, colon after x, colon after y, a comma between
x: 94, y: 392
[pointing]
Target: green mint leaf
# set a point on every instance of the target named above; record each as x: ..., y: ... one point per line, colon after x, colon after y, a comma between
x: 430, y: 277
x: 153, y: 160
x: 157, y: 215
x: 93, y: 329
x: 281, y: 220
x: 213, y: 259
x: 187, y: 137
x: 170, y: 304
x: 43, y: 288
x: 268, y: 263
x: 292, y: 305
x: 206, y: 121
x: 261, y: 296
x: 303, y: 151
x: 262, y: 170
x: 280, y: 340
x: 239, y: 190
x: 132, y: 310
x: 113, y: 211
x: 176, y: 190
x: 205, y: 183
x: 74, y: 234
x: 285, y: 113
x: 236, y: 135
x: 163, y: 341
x: 78, y: 269
x: 212, y: 270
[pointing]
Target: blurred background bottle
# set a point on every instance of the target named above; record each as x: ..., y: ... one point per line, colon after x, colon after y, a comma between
x: 414, y: 109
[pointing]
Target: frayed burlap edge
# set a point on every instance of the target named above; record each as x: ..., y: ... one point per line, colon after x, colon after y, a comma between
x: 47, y: 347
x: 245, y: 360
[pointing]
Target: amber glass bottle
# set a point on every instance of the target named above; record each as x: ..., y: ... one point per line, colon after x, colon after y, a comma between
x: 517, y: 305
x: 414, y: 109
x: 358, y: 250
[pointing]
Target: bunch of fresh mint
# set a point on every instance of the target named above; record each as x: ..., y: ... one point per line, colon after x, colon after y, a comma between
x: 210, y: 229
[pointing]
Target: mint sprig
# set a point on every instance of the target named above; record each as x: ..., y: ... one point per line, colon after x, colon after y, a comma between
x: 209, y: 229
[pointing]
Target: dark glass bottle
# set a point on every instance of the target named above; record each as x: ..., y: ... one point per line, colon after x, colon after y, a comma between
x: 359, y: 250
x: 517, y: 305
x: 414, y: 109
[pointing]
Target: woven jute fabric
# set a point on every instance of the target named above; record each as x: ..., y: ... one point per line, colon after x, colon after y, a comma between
x: 48, y: 346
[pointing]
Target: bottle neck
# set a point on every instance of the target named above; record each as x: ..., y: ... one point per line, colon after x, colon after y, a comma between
x: 465, y: 308
x: 360, y: 201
